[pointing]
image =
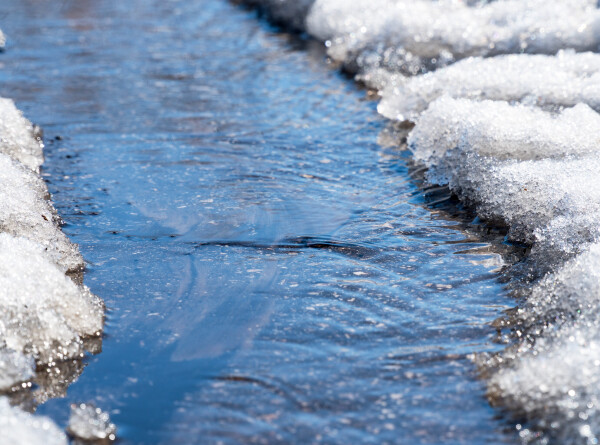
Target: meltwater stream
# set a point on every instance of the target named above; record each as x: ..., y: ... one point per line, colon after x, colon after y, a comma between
x: 273, y: 273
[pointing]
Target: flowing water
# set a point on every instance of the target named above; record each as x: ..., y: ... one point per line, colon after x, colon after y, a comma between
x: 273, y: 273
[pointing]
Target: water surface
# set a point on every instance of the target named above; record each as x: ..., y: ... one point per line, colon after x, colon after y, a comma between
x: 273, y: 273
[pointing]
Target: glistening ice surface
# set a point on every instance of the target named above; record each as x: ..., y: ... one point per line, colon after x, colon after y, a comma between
x: 272, y: 272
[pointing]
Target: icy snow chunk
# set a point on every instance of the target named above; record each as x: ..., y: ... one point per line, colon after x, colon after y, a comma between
x: 503, y: 131
x: 15, y: 368
x: 17, y: 138
x: 2, y: 40
x: 384, y: 81
x: 525, y: 195
x: 25, y: 211
x: 19, y: 427
x: 555, y: 380
x: 555, y: 387
x: 90, y: 423
x: 43, y: 312
x: 572, y: 291
x: 563, y: 238
x: 475, y: 148
x: 410, y: 35
x: 565, y: 80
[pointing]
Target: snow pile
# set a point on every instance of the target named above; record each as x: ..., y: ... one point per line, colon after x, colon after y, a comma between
x: 504, y: 96
x: 566, y: 79
x: 555, y: 381
x: 90, y: 423
x: 503, y: 131
x: 25, y: 211
x: 15, y: 368
x: 19, y: 427
x: 407, y: 35
x: 17, y: 137
x: 45, y: 317
x: 44, y: 313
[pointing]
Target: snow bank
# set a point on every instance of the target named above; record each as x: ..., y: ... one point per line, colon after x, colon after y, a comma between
x: 44, y: 313
x: 566, y: 79
x: 536, y: 172
x: 19, y: 427
x: 25, y: 211
x: 555, y: 381
x: 408, y: 35
x: 45, y: 317
x: 503, y: 131
x: 17, y: 137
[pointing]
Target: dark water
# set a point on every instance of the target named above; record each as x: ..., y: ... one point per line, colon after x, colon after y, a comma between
x: 273, y: 274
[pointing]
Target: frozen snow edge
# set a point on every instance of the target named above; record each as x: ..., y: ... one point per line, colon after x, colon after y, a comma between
x: 45, y: 317
x: 503, y: 97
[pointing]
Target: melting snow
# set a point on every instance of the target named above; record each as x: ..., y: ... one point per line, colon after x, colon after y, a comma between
x: 504, y: 98
x: 44, y: 315
x: 90, y: 423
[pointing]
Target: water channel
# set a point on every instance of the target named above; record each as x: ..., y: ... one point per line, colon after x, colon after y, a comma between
x: 273, y: 271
